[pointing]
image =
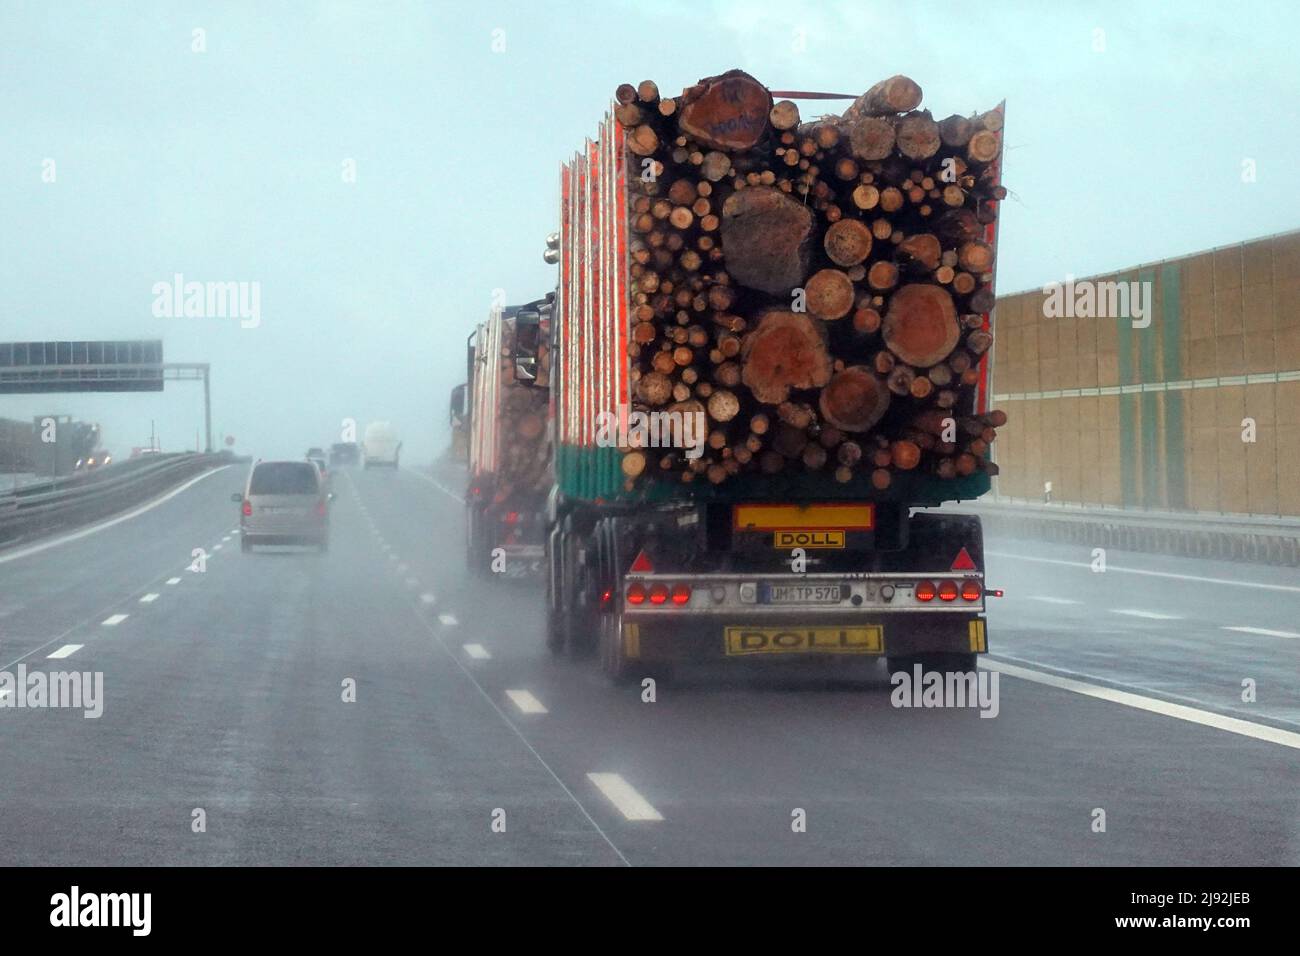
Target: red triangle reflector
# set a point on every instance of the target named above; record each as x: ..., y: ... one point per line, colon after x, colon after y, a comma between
x: 642, y: 564
x: 963, y: 562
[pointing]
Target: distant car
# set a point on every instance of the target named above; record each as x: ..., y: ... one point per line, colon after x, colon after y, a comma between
x: 315, y: 453
x: 344, y: 453
x: 319, y: 462
x: 380, y: 446
x: 97, y: 460
x: 284, y: 502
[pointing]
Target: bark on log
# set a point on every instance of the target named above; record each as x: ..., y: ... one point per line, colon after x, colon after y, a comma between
x: 898, y: 94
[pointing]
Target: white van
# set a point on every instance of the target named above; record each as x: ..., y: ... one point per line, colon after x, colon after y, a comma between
x: 380, y: 446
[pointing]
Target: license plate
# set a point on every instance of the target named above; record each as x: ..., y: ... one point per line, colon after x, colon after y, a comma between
x: 802, y: 594
x: 861, y: 639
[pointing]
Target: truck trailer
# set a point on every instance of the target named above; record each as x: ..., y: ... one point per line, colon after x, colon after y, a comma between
x: 809, y: 538
x: 509, y: 451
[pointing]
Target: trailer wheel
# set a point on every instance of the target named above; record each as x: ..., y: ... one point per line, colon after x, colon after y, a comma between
x: 613, y: 658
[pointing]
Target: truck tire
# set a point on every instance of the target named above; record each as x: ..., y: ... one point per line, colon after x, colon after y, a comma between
x: 613, y: 657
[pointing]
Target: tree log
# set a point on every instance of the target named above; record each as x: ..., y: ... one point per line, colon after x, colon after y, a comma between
x: 898, y: 94
x: 726, y: 112
x: 848, y: 242
x: 829, y: 294
x: 871, y: 138
x: 921, y: 325
x: 768, y: 239
x: 787, y: 350
x: 854, y: 400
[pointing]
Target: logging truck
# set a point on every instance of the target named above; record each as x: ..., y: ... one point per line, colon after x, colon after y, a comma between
x: 815, y: 298
x: 505, y: 425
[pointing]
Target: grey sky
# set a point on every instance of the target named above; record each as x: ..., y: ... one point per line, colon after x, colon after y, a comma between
x: 227, y: 165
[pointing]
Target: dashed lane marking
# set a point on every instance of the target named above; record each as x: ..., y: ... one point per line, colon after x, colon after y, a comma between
x: 447, y: 620
x: 1263, y: 631
x: 67, y: 650
x: 149, y: 598
x: 1148, y: 615
x: 477, y: 651
x: 526, y: 702
x: 173, y: 580
x: 623, y: 795
x: 114, y: 620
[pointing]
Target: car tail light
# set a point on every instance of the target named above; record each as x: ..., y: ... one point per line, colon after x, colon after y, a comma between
x: 924, y: 591
x: 947, y: 590
x: 681, y: 593
x: 658, y: 593
x: 248, y: 508
x: 971, y: 591
x: 636, y: 594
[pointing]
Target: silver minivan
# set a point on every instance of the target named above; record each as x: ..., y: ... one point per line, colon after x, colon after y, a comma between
x: 284, y: 502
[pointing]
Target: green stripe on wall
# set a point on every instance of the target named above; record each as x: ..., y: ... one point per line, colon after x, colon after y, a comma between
x: 1151, y: 472
x: 1171, y: 331
x: 1127, y: 412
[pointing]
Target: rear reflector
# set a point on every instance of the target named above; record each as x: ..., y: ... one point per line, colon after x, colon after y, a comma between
x: 642, y: 564
x: 963, y: 562
x: 924, y: 591
x: 947, y: 590
x: 971, y: 591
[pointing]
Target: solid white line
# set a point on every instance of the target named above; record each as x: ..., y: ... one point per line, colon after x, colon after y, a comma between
x: 447, y: 620
x: 1194, y: 715
x: 427, y: 598
x: 93, y: 529
x: 626, y: 800
x: 173, y: 580
x: 114, y: 620
x: 1154, y: 574
x: 1150, y: 615
x: 67, y: 650
x: 1264, y: 631
x: 438, y: 485
x: 1052, y: 600
x: 526, y: 702
x: 477, y: 651
x: 149, y: 598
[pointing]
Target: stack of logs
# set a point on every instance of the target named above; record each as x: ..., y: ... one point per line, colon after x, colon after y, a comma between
x: 817, y: 289
x: 523, y: 465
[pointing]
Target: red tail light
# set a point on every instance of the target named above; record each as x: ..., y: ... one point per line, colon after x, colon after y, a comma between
x: 248, y: 507
x: 947, y: 590
x: 924, y: 591
x: 512, y: 517
x: 658, y: 593
x: 681, y: 593
x: 606, y: 596
x: 971, y: 591
x: 636, y: 594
